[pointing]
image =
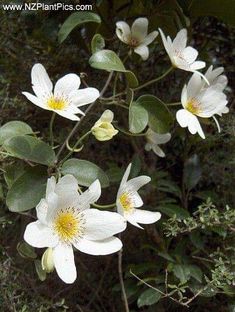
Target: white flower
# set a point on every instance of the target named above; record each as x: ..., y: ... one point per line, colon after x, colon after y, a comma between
x: 199, y: 99
x: 181, y: 56
x: 103, y: 129
x: 137, y: 36
x: 65, y: 98
x: 64, y: 221
x: 128, y: 199
x: 154, y: 139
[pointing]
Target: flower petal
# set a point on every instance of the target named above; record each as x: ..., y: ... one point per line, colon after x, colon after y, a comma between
x: 98, y: 248
x: 143, y: 51
x: 136, y: 183
x: 67, y: 84
x: 190, y: 54
x: 197, y: 65
x: 123, y: 31
x: 90, y: 196
x: 180, y: 41
x: 67, y: 114
x: 39, y: 235
x: 100, y: 225
x: 187, y: 119
x: 150, y: 38
x: 126, y: 175
x: 35, y: 100
x: 84, y: 96
x: 51, y: 184
x: 107, y: 116
x: 167, y: 44
x: 139, y: 28
x: 66, y: 184
x: 41, y: 82
x: 158, y: 151
x: 194, y: 85
x: 63, y: 258
x: 143, y: 216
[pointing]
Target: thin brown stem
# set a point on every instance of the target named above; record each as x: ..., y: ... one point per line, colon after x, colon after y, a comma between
x: 120, y: 272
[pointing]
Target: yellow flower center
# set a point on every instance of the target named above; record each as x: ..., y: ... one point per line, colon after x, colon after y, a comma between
x: 66, y: 225
x: 126, y: 202
x: 56, y: 103
x: 193, y: 106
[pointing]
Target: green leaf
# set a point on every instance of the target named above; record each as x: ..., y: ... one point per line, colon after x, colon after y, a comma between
x: 160, y: 118
x: 138, y: 118
x: 30, y: 148
x: 42, y: 275
x: 172, y: 209
x: 110, y: 61
x: 97, y: 43
x: 26, y: 251
x: 12, y: 172
x: 85, y: 172
x: 13, y: 128
x: 192, y: 172
x: 148, y: 297
x: 27, y: 190
x: 195, y: 272
x: 74, y: 20
x: 182, y: 272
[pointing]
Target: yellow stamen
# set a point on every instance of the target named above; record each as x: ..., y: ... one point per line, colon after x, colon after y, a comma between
x: 193, y: 106
x: 66, y: 225
x: 126, y: 202
x: 56, y: 103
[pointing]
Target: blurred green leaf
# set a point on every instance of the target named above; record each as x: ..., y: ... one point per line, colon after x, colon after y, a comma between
x: 148, y: 297
x: 30, y: 148
x: 27, y: 190
x: 85, y: 172
x: 12, y: 172
x: 195, y: 272
x: 110, y: 61
x: 172, y: 209
x: 74, y: 20
x: 182, y: 272
x: 138, y: 118
x: 14, y: 128
x: 97, y: 43
x: 192, y: 172
x: 26, y: 251
x: 160, y: 118
x: 42, y: 275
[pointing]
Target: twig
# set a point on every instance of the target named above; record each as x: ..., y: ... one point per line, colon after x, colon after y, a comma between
x: 120, y: 272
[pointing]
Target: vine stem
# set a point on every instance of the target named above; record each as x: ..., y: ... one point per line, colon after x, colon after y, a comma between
x: 120, y: 272
x: 87, y: 111
x: 104, y: 206
x: 51, y: 129
x: 153, y: 80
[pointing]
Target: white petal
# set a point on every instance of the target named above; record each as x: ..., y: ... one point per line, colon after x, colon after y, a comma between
x: 40, y: 80
x: 150, y: 38
x: 39, y: 235
x: 35, y: 100
x: 158, y: 151
x: 190, y: 54
x: 143, y: 51
x: 102, y: 224
x: 136, y: 183
x: 180, y: 40
x: 107, y: 116
x: 187, y: 119
x: 51, y: 183
x: 126, y: 175
x: 66, y: 184
x: 90, y: 196
x: 167, y: 45
x: 143, y: 216
x: 217, y: 123
x: 98, y: 248
x: 139, y: 28
x: 67, y: 84
x: 67, y: 115
x: 194, y: 86
x: 157, y: 138
x: 84, y: 96
x: 184, y: 96
x: 197, y: 65
x: 123, y: 31
x: 64, y: 263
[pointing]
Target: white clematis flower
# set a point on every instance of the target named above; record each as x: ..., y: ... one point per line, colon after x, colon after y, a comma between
x: 65, y: 98
x: 137, y: 36
x: 103, y: 130
x: 199, y: 99
x: 154, y: 139
x: 182, y: 56
x: 128, y: 200
x: 65, y: 221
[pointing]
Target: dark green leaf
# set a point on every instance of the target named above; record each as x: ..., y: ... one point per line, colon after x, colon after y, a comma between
x: 172, y: 209
x: 97, y: 43
x: 192, y: 172
x: 14, y: 128
x: 85, y: 172
x: 26, y: 251
x: 148, y: 297
x: 12, y: 172
x: 182, y: 272
x: 74, y: 20
x: 30, y: 148
x: 40, y: 272
x: 27, y: 190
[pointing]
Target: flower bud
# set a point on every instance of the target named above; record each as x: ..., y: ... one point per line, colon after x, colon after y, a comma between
x: 47, y: 260
x: 103, y: 130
